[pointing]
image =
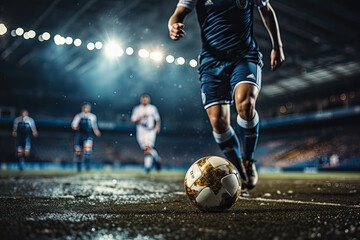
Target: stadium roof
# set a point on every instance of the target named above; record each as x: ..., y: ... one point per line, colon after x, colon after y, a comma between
x: 321, y: 38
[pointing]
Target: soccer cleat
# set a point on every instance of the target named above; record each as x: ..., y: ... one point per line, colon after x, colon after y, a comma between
x: 244, y: 190
x: 245, y: 194
x: 251, y: 173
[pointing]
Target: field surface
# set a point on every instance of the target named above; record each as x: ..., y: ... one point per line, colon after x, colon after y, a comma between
x: 133, y: 205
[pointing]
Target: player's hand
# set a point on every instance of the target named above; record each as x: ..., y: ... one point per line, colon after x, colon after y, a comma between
x: 14, y: 133
x: 177, y: 31
x: 157, y: 129
x: 277, y: 58
x: 35, y: 133
x: 97, y: 133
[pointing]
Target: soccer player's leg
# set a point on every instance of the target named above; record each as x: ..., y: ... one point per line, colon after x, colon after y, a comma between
x: 20, y: 156
x: 88, y: 146
x: 141, y: 137
x: 151, y: 138
x: 27, y: 147
x: 78, y: 146
x: 216, y: 99
x: 147, y: 158
x: 156, y: 159
x: 246, y: 80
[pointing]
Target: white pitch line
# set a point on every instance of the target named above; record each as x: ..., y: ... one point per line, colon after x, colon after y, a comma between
x: 298, y: 202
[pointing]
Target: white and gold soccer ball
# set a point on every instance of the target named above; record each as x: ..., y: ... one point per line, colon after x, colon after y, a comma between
x: 212, y: 184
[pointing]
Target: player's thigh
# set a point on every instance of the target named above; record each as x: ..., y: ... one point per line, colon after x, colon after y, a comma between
x: 219, y: 116
x: 246, y: 83
x: 215, y: 90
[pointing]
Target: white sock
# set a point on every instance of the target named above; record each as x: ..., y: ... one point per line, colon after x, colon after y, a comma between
x: 223, y: 137
x: 248, y: 124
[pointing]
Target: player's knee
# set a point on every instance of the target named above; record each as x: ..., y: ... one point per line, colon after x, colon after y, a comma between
x: 219, y: 123
x: 78, y: 151
x: 20, y: 152
x: 246, y: 108
x: 147, y: 150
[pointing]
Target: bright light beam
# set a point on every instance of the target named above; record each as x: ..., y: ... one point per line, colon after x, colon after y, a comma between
x: 113, y: 50
x: 46, y: 36
x: 156, y: 56
x: 144, y: 53
x: 77, y: 42
x: 68, y: 40
x: 58, y: 39
x: 3, y: 29
x: 193, y: 63
x: 31, y: 33
x: 19, y: 31
x: 170, y: 58
x: 180, y: 61
x: 98, y: 45
x: 129, y: 51
x: 90, y: 46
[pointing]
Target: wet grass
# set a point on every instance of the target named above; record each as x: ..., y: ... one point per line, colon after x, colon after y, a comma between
x: 133, y: 205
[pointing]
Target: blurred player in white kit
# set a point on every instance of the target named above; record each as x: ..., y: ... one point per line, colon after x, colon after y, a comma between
x: 84, y: 124
x: 23, y: 128
x: 147, y: 120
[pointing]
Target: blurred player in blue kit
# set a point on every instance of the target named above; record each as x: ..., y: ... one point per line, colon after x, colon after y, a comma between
x: 23, y: 128
x: 84, y: 124
x: 147, y: 120
x: 230, y: 71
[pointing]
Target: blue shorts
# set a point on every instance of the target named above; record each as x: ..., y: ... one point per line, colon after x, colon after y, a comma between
x: 219, y: 79
x: 81, y: 140
x: 23, y: 142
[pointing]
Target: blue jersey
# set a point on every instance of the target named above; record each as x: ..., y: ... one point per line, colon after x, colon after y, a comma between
x: 226, y: 27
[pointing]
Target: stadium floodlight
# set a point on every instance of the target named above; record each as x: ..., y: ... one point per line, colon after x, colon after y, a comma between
x: 143, y: 53
x: 156, y: 56
x: 19, y: 31
x: 68, y: 40
x: 129, y: 51
x: 180, y: 61
x: 170, y: 58
x: 193, y: 63
x: 45, y: 36
x: 3, y: 29
x: 31, y: 33
x: 40, y: 38
x: 77, y: 42
x: 98, y: 45
x: 113, y: 50
x: 13, y: 33
x: 59, y: 40
x: 90, y: 46
x: 26, y: 35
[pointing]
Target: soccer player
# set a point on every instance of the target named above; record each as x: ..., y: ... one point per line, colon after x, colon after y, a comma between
x: 84, y: 124
x: 230, y: 71
x: 147, y: 120
x: 23, y: 128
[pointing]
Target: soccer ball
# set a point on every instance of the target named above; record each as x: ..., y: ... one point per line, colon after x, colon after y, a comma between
x: 212, y: 184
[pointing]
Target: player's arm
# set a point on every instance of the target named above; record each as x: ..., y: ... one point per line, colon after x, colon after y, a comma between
x: 33, y: 128
x: 95, y: 127
x: 175, y: 24
x: 16, y: 122
x: 268, y: 16
x: 158, y: 126
x: 136, y: 116
x: 75, y: 122
x: 157, y: 121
